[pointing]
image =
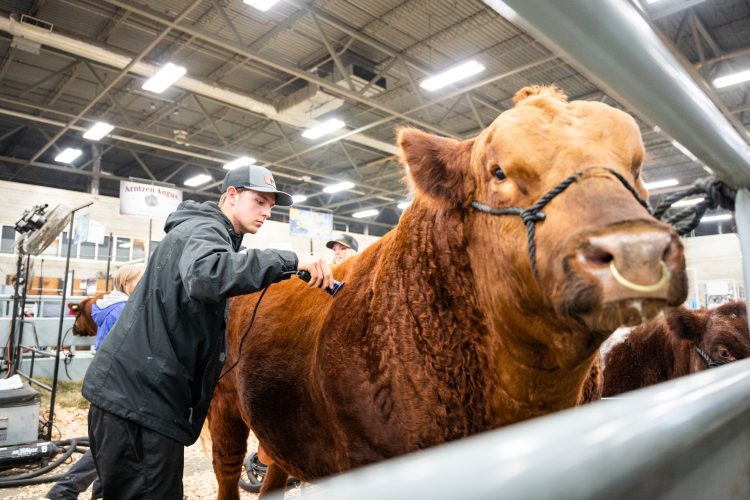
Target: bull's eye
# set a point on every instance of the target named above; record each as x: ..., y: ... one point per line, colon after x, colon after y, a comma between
x: 724, y: 353
x: 499, y: 174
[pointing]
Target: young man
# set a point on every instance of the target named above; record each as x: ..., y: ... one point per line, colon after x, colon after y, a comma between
x: 151, y: 381
x: 343, y: 247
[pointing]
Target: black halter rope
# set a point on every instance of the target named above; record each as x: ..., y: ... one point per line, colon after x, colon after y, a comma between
x: 531, y: 216
x: 710, y: 363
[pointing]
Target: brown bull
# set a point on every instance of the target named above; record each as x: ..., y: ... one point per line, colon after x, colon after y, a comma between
x: 83, y: 324
x: 678, y: 343
x: 463, y: 318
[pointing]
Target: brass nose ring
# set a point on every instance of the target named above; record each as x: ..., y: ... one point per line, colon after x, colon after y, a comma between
x: 665, y: 275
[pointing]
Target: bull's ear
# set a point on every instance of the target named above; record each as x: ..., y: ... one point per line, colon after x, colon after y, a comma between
x: 731, y: 310
x: 686, y: 324
x: 437, y: 165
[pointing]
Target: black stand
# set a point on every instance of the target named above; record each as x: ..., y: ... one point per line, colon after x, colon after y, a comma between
x: 19, y: 297
x: 48, y: 424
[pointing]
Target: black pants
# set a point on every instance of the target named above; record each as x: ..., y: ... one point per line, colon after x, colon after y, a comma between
x: 133, y: 461
x: 77, y: 480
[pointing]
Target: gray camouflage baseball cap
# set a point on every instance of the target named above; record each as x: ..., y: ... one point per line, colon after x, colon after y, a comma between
x: 258, y: 179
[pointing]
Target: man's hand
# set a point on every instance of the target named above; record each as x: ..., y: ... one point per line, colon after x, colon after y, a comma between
x: 319, y: 269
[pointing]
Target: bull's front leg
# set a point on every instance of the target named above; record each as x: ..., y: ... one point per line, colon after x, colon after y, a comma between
x: 229, y: 434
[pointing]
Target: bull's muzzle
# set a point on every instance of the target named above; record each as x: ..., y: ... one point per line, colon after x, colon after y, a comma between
x: 636, y: 262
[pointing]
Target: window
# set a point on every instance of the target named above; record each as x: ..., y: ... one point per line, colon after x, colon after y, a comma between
x: 152, y: 248
x: 139, y: 249
x: 8, y: 239
x: 122, y: 250
x: 88, y: 250
x: 64, y: 247
x: 103, y: 249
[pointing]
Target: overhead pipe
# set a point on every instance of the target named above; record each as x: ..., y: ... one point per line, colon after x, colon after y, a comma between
x: 111, y: 58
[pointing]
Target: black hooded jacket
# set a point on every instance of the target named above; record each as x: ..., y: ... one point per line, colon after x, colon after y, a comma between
x: 159, y: 364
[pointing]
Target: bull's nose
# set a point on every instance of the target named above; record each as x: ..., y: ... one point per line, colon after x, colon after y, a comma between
x: 638, y: 259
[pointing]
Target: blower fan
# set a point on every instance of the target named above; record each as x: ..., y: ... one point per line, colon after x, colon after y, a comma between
x: 52, y: 224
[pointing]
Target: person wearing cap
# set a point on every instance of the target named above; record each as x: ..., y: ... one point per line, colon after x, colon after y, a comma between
x: 152, y: 379
x: 343, y: 247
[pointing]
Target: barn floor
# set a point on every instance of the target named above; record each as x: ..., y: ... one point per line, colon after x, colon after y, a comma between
x: 199, y: 481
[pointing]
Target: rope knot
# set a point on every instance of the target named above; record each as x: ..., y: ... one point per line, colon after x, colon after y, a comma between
x: 532, y: 216
x: 715, y: 194
x: 718, y: 194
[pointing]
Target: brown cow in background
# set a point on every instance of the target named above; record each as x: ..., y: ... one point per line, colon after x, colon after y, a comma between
x: 447, y: 326
x: 83, y: 324
x: 665, y: 348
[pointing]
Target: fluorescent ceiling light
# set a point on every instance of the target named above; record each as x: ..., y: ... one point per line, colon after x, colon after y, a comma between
x: 661, y: 184
x: 365, y: 213
x: 198, y: 180
x: 341, y: 186
x: 298, y: 198
x: 324, y: 128
x: 687, y: 203
x: 243, y: 161
x: 403, y: 204
x: 164, y: 78
x: 97, y: 131
x: 261, y: 5
x: 452, y: 75
x: 715, y: 218
x: 733, y: 79
x: 68, y: 155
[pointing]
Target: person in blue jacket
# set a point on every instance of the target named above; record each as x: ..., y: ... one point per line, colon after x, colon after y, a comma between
x: 104, y: 313
x: 107, y: 309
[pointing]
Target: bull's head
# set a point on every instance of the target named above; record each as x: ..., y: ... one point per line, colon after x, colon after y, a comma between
x: 720, y: 335
x: 592, y: 257
x: 83, y: 324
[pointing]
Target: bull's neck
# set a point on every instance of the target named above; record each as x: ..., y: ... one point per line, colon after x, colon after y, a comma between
x: 429, y: 270
x: 533, y: 382
x: 434, y: 267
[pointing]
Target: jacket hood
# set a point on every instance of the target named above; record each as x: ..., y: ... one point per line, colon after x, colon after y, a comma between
x: 191, y: 210
x: 99, y: 314
x: 112, y: 298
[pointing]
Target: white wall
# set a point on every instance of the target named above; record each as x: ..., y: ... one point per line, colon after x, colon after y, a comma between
x: 715, y: 258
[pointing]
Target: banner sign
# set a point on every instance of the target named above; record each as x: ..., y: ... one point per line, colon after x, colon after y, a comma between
x: 81, y: 228
x: 310, y: 224
x: 148, y: 200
